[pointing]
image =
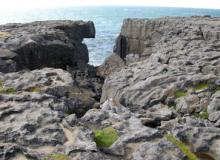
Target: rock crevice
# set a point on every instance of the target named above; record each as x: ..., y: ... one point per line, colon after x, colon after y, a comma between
x: 156, y: 98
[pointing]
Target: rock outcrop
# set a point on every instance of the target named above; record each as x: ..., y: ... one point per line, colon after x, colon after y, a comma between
x: 39, y: 112
x: 160, y: 100
x: 140, y: 38
x: 40, y: 106
x: 44, y: 44
x: 186, y: 53
x: 171, y: 81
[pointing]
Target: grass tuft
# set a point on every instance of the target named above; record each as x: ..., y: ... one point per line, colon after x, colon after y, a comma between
x: 106, y: 137
x: 57, y: 156
x: 184, y: 148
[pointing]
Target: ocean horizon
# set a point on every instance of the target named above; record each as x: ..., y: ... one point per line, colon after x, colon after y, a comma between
x: 107, y: 20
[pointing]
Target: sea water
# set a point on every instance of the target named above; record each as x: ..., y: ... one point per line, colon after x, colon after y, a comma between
x: 108, y: 21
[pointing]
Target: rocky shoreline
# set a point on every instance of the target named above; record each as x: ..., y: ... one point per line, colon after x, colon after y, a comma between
x: 155, y: 98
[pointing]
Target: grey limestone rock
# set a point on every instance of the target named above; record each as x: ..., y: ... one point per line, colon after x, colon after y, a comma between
x: 170, y: 83
x: 44, y: 44
x: 163, y: 79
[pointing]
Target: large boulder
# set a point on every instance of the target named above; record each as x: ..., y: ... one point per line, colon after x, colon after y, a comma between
x: 44, y: 44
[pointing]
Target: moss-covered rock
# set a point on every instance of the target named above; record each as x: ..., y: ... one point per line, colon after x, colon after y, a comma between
x: 202, y: 115
x: 180, y: 93
x: 6, y: 90
x: 201, y: 86
x: 106, y: 137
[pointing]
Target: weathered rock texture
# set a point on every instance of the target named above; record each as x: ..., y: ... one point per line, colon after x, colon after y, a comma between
x: 44, y: 44
x: 38, y: 115
x: 171, y: 81
x: 186, y: 51
x: 112, y: 63
x: 40, y: 106
x: 144, y: 37
x: 170, y: 84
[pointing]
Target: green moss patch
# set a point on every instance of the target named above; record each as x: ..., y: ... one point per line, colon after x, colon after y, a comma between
x: 57, y: 156
x: 184, y: 148
x: 1, y: 83
x: 13, y: 91
x: 201, y: 86
x: 1, y: 86
x: 202, y: 115
x: 6, y: 90
x: 180, y: 93
x: 106, y: 137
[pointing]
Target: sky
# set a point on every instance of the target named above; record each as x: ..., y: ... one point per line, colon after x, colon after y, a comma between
x: 20, y: 4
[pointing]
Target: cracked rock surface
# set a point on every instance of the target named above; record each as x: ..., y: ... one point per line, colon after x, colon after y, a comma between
x: 164, y: 79
x: 170, y: 81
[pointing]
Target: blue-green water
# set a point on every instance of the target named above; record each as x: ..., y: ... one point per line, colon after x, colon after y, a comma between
x: 108, y: 21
